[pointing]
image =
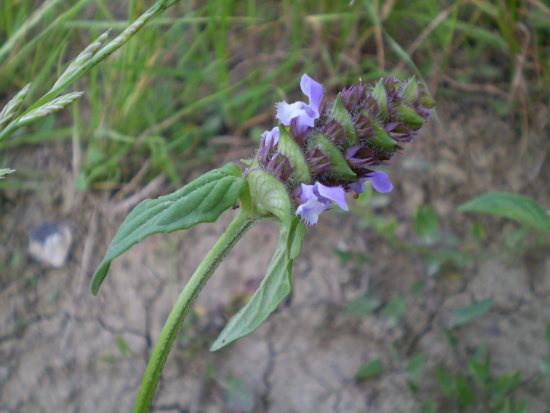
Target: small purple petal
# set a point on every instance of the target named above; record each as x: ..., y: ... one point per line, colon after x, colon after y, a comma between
x: 316, y: 198
x: 305, y: 117
x: 298, y: 110
x: 314, y: 91
x: 310, y: 210
x: 358, y: 186
x: 286, y: 112
x: 306, y: 193
x: 380, y: 181
x: 271, y: 137
x: 333, y: 193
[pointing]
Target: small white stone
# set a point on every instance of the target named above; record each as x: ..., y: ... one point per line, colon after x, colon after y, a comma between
x: 49, y: 243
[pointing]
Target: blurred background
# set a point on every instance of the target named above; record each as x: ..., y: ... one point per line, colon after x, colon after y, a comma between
x: 405, y: 304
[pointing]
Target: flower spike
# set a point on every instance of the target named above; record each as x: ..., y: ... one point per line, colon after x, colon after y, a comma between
x: 341, y: 142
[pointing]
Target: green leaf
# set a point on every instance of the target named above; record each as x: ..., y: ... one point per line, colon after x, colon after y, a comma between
x: 340, y: 114
x: 445, y: 381
x: 520, y: 208
x: 363, y: 305
x: 545, y: 367
x: 502, y: 385
x: 426, y: 225
x: 339, y: 166
x: 429, y: 406
x: 478, y: 232
x: 452, y: 339
x: 368, y: 370
x: 395, y: 309
x: 123, y: 346
x: 296, y: 238
x: 108, y: 358
x: 520, y: 407
x: 465, y: 392
x: 415, y: 366
x: 237, y: 395
x: 464, y: 315
x: 272, y: 291
x: 269, y: 196
x: 202, y: 200
x: 443, y: 258
x: 289, y: 148
x: 479, y: 368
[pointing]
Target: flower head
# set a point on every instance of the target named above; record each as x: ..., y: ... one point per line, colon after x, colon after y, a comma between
x: 340, y: 143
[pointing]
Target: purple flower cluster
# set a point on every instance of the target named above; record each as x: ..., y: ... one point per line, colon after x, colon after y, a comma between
x: 341, y: 142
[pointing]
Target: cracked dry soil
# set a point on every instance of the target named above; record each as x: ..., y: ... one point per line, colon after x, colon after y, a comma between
x: 62, y: 350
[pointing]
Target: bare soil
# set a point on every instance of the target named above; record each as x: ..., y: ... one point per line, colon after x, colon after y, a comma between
x: 62, y: 350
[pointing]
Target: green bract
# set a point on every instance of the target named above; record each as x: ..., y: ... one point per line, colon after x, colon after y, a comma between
x: 343, y: 117
x: 381, y: 139
x: 339, y: 166
x: 410, y: 91
x: 379, y: 94
x: 408, y: 116
x: 289, y: 148
x: 269, y: 196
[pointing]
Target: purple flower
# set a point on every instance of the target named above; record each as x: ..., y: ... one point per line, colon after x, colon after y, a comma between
x: 271, y: 137
x: 316, y: 198
x: 379, y: 180
x: 305, y: 115
x: 268, y: 144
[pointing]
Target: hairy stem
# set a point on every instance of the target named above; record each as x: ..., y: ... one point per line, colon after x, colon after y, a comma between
x: 238, y: 227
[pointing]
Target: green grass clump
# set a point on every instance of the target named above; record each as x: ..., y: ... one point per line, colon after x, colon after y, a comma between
x: 216, y: 68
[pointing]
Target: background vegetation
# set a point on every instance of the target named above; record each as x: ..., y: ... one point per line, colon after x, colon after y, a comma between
x: 197, y: 86
x: 213, y: 69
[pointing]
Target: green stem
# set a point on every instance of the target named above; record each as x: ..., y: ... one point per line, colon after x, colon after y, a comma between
x: 240, y: 224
